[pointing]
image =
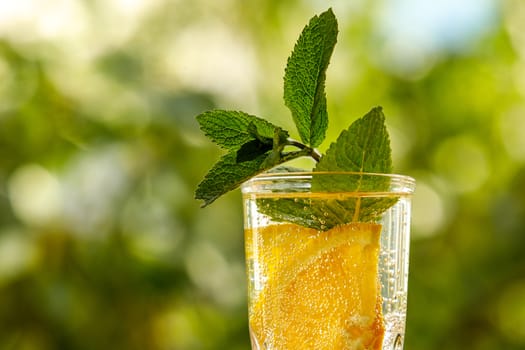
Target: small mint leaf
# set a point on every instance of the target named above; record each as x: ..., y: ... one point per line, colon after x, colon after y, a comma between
x: 305, y: 75
x: 232, y: 129
x: 258, y: 146
x: 251, y: 158
x: 252, y: 130
x: 299, y: 211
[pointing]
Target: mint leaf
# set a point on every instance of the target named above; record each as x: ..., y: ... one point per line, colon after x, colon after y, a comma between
x: 324, y: 213
x: 226, y: 175
x: 261, y: 144
x: 305, y: 74
x: 232, y: 129
x: 363, y: 147
x: 259, y: 153
x: 300, y: 211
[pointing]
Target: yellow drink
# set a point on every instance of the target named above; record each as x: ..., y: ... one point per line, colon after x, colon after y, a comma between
x: 316, y: 290
x: 317, y: 277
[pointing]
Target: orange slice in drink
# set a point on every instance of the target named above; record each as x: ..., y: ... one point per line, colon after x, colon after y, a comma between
x: 319, y: 290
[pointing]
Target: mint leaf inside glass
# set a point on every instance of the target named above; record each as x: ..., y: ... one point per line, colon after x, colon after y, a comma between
x: 363, y: 148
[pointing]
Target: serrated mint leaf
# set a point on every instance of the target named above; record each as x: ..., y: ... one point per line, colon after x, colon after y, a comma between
x: 251, y: 158
x: 232, y: 129
x: 292, y: 210
x: 305, y: 75
x: 316, y: 213
x: 363, y: 147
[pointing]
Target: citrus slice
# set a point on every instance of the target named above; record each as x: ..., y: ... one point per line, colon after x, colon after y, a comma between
x: 316, y: 290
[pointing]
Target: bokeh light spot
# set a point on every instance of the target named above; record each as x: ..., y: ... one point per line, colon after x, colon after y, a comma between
x: 93, y: 185
x: 17, y: 253
x: 35, y: 195
x: 226, y: 66
x: 512, y: 130
x: 462, y: 162
x: 428, y: 212
x: 515, y: 17
x: 175, y: 328
x: 413, y: 33
x: 210, y: 271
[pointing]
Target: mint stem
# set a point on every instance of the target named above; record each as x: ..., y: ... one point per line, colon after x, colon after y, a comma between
x: 306, y: 150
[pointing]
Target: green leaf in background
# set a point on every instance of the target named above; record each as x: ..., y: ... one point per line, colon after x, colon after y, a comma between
x: 232, y: 129
x: 305, y: 74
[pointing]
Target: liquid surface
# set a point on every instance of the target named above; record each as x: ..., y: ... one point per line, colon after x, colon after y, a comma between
x: 315, y: 290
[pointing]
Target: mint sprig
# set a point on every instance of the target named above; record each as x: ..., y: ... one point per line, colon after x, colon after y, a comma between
x: 259, y: 145
x: 255, y: 145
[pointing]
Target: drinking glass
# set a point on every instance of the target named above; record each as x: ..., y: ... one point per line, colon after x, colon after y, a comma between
x: 327, y: 259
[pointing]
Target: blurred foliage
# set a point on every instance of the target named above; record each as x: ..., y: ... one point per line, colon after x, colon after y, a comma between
x: 102, y: 245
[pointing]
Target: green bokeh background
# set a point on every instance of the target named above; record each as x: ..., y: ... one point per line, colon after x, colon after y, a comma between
x: 102, y: 245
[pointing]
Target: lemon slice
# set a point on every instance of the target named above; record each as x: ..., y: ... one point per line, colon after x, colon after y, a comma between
x: 318, y: 290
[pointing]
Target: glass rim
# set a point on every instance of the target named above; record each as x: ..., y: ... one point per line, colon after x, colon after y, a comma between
x: 404, y: 183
